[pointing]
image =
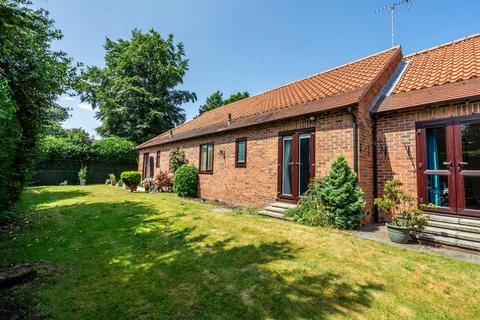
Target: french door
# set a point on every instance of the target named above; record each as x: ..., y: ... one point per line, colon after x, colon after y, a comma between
x: 448, y: 165
x: 296, y: 162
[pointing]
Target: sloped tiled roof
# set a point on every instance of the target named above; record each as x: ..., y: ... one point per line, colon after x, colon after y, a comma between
x: 443, y: 73
x: 330, y: 89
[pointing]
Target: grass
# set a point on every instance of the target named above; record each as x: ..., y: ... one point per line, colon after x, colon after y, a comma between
x: 134, y: 255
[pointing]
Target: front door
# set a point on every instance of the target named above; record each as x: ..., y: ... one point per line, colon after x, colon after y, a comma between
x: 296, y: 163
x: 448, y: 164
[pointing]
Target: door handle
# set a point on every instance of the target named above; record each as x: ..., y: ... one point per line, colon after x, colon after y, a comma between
x: 448, y: 164
x: 460, y: 165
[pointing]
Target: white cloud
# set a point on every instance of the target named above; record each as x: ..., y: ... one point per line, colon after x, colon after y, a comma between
x: 84, y: 106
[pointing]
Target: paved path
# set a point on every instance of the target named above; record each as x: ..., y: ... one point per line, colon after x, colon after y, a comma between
x: 377, y: 232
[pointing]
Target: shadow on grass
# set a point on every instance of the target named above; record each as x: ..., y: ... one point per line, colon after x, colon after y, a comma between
x: 128, y: 260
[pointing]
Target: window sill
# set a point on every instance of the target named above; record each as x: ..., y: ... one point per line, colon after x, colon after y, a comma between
x: 240, y: 165
x: 205, y: 172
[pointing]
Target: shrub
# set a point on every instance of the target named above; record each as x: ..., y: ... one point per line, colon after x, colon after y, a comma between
x: 82, y: 174
x: 400, y: 207
x: 177, y: 159
x: 131, y: 179
x: 310, y: 210
x: 147, y: 184
x: 112, y: 150
x: 112, y: 178
x: 341, y: 196
x: 163, y: 181
x: 185, y: 181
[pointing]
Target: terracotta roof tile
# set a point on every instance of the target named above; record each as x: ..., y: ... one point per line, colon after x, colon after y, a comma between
x: 331, y: 83
x: 445, y: 73
x: 451, y: 62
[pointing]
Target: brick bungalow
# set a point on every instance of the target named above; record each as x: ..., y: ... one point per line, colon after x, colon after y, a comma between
x: 414, y: 117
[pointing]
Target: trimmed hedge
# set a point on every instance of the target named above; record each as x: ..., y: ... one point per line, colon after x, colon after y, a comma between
x: 113, y: 150
x: 185, y: 181
x: 131, y: 179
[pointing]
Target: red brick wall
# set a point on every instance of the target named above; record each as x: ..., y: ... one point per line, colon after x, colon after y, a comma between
x: 396, y: 149
x: 256, y: 184
x: 365, y: 137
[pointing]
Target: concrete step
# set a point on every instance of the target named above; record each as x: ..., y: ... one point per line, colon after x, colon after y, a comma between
x: 469, y: 222
x: 443, y: 219
x: 274, y: 209
x: 470, y: 236
x: 462, y: 220
x: 284, y: 205
x: 274, y: 214
x: 453, y: 226
x: 450, y: 241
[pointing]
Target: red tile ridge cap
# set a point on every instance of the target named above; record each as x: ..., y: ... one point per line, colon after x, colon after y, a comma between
x: 441, y: 45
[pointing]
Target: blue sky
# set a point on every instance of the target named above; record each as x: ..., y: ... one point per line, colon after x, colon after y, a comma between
x: 254, y: 45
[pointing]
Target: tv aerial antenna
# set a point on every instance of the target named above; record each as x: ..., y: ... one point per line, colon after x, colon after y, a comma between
x: 392, y: 6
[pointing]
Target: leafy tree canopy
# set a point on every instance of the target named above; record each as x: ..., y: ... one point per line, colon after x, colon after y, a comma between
x: 215, y: 100
x: 136, y: 93
x: 74, y: 135
x: 32, y: 76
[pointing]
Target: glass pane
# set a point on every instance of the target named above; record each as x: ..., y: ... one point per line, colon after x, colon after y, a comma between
x: 472, y: 192
x: 241, y: 151
x: 471, y: 146
x: 287, y: 166
x: 436, y: 148
x: 203, y: 158
x: 437, y: 190
x: 210, y: 158
x: 304, y: 164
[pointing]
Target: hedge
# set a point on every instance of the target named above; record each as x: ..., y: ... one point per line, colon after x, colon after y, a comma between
x: 113, y: 150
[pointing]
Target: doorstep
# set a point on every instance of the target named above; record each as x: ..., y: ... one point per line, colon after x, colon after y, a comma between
x: 378, y: 232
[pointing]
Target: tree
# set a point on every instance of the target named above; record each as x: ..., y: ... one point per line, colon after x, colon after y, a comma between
x: 77, y: 136
x: 215, y: 100
x: 341, y: 196
x: 236, y: 97
x: 32, y: 76
x: 135, y: 93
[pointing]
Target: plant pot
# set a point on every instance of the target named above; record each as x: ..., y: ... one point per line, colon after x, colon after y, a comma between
x: 83, y: 182
x: 398, y: 234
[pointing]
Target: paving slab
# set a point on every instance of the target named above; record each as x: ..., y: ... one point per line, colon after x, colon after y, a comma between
x: 379, y: 233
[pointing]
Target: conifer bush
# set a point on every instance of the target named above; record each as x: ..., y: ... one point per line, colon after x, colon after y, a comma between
x: 334, y: 200
x: 341, y: 196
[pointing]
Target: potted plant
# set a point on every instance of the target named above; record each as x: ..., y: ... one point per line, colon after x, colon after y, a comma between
x: 82, y: 175
x: 147, y: 184
x: 404, y: 215
x: 113, y: 179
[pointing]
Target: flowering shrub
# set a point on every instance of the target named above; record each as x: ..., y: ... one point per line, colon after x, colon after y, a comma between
x: 163, y: 182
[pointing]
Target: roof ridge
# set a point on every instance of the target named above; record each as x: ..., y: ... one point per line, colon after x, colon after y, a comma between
x: 442, y: 45
x: 310, y: 76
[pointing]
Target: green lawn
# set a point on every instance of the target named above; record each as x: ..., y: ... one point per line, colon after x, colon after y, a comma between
x: 136, y: 255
